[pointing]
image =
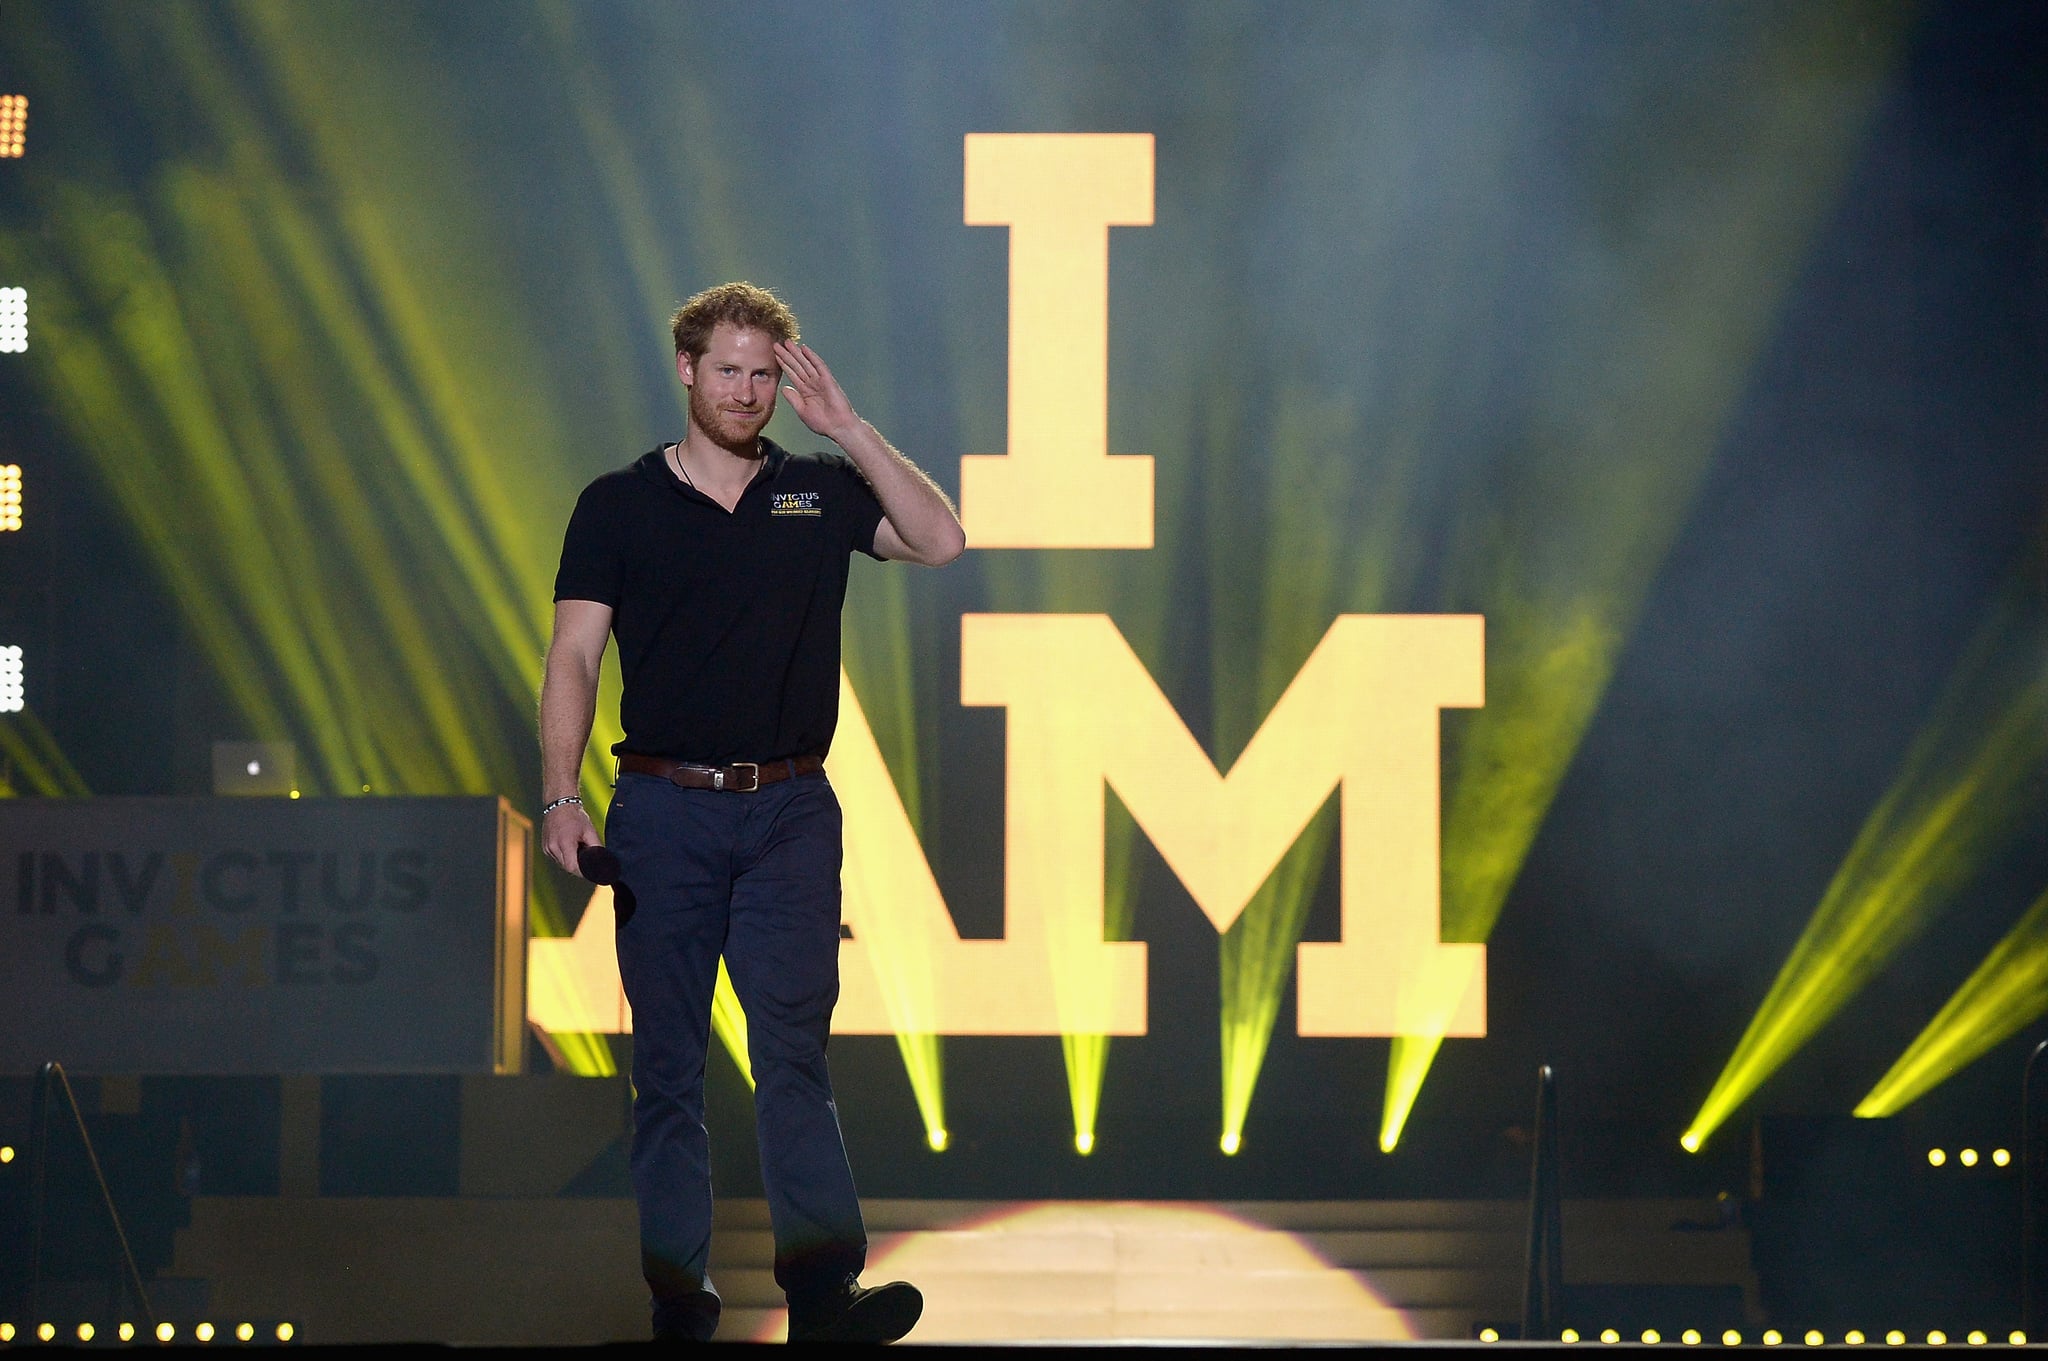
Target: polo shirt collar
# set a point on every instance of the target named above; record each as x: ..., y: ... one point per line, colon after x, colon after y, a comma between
x: 654, y: 464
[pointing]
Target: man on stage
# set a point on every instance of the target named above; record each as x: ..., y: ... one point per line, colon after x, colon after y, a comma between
x: 720, y: 564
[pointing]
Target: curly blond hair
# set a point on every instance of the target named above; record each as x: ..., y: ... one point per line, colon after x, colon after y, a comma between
x: 742, y: 305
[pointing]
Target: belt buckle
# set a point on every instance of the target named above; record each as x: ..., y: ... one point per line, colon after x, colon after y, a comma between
x: 752, y: 776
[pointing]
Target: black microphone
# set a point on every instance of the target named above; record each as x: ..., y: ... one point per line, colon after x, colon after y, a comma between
x: 598, y: 864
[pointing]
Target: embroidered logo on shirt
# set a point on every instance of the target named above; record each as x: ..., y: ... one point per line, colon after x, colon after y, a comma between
x: 796, y: 503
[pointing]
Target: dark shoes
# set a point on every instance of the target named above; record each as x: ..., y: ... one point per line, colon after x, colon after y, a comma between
x: 687, y: 1317
x: 856, y: 1313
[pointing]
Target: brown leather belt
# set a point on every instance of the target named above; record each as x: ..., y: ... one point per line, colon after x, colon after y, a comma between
x: 742, y: 777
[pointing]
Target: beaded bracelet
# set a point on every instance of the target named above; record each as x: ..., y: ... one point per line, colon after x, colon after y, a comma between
x: 576, y: 799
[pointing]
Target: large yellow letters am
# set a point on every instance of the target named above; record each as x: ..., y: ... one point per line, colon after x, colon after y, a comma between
x: 1084, y: 714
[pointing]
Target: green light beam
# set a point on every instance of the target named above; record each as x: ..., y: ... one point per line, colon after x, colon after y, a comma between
x: 1257, y: 958
x: 300, y: 407
x: 1663, y: 325
x: 31, y: 761
x: 1322, y: 558
x: 1958, y: 797
x: 2002, y: 996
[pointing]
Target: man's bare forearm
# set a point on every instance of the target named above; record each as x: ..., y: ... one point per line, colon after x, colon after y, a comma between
x: 922, y: 514
x: 568, y: 707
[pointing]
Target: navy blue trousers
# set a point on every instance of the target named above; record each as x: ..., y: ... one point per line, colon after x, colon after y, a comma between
x: 753, y: 877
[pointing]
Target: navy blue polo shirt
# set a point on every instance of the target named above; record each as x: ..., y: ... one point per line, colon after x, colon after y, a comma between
x: 727, y: 622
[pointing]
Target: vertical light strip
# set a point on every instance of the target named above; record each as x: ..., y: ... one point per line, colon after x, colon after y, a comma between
x: 13, y: 320
x: 13, y: 126
x: 13, y: 680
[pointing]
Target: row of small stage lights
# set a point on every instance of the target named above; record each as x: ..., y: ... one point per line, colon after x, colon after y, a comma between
x: 13, y: 340
x: 203, y: 1331
x: 165, y: 1332
x: 1969, y: 1157
x: 1771, y: 1337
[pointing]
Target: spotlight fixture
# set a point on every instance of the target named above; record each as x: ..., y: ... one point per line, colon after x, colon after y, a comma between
x: 1936, y: 1157
x: 13, y: 125
x: 10, y: 497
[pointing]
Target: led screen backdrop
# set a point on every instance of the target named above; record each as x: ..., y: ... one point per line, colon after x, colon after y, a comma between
x: 1503, y: 533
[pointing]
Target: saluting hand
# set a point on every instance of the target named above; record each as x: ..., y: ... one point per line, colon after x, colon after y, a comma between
x: 814, y: 394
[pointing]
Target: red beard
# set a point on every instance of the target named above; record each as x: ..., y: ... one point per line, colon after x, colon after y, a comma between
x: 733, y: 431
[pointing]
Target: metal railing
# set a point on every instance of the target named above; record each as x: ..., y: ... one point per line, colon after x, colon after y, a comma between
x: 51, y: 1076
x: 2034, y: 1195
x: 1543, y: 1281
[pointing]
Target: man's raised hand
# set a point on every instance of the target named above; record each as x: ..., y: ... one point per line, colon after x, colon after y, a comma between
x: 814, y: 394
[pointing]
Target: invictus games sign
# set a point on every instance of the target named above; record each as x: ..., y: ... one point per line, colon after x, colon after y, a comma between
x: 263, y: 935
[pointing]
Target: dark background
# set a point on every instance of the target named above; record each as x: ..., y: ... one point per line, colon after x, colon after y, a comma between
x: 1723, y: 325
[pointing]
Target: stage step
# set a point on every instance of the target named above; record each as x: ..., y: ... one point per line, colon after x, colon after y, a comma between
x: 564, y: 1270
x: 1299, y: 1270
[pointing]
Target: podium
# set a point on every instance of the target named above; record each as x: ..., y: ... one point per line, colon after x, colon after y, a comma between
x: 257, y: 935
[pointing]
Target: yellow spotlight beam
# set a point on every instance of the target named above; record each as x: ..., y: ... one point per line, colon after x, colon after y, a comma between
x: 33, y: 762
x: 1674, y: 320
x: 1087, y: 1056
x: 322, y: 388
x: 2005, y: 993
x: 1320, y: 560
x: 886, y: 879
x: 1956, y: 799
x: 1257, y: 960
